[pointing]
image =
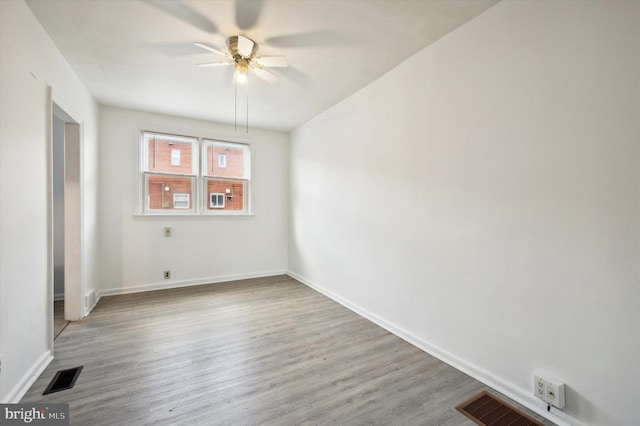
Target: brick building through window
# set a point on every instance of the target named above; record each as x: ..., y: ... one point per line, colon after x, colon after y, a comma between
x: 225, y: 161
x: 171, y: 172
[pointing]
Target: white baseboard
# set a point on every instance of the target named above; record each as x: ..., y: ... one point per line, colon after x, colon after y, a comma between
x: 21, y: 388
x: 508, y: 389
x: 176, y: 284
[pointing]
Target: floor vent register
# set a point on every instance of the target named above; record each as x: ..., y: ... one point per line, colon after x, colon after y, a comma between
x: 484, y: 409
x: 63, y: 380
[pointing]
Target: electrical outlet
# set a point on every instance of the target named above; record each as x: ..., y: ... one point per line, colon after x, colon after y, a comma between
x: 167, y: 275
x: 167, y: 231
x: 539, y: 387
x: 549, y: 390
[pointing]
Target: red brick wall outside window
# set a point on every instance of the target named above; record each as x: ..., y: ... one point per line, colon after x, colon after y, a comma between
x: 166, y: 178
x: 162, y: 188
x: 234, y: 162
x: 232, y: 167
x: 233, y: 200
x: 160, y: 157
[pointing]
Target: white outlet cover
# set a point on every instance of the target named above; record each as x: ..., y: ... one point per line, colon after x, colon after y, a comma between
x: 549, y: 390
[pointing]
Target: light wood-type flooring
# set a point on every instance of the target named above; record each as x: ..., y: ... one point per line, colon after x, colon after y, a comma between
x: 59, y: 323
x: 268, y: 351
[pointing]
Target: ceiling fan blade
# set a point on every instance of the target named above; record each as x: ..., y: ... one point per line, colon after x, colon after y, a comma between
x: 185, y: 13
x: 273, y: 61
x: 210, y: 49
x: 247, y: 13
x: 309, y: 39
x: 216, y: 64
x: 266, y: 75
x: 245, y: 46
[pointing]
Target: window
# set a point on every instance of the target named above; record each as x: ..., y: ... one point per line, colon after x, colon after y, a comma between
x: 217, y: 201
x: 230, y: 180
x: 175, y: 157
x: 162, y: 177
x: 180, y: 201
x: 190, y: 175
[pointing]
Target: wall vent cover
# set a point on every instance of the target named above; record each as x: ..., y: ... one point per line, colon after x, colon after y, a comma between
x: 484, y: 409
x: 64, y: 379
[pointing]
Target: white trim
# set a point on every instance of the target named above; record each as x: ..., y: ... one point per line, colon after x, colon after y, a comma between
x: 181, y: 195
x: 75, y: 256
x: 138, y: 288
x: 217, y: 195
x: 75, y: 294
x: 24, y: 384
x: 52, y: 110
x: 216, y: 134
x: 508, y: 389
x: 224, y: 214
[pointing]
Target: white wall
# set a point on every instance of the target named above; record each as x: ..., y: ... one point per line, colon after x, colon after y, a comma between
x: 29, y: 64
x: 202, y: 249
x: 482, y: 200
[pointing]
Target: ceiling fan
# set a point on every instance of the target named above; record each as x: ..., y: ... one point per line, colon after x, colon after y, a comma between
x: 242, y: 52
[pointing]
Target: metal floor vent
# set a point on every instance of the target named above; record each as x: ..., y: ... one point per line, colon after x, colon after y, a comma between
x: 484, y: 409
x: 64, y: 379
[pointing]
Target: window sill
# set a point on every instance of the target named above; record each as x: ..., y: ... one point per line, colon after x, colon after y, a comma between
x: 192, y: 216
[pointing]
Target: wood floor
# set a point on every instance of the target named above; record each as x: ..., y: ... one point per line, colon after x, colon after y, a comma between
x: 267, y: 351
x: 59, y: 323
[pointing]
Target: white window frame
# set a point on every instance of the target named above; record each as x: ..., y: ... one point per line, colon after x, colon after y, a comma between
x: 222, y: 160
x: 175, y: 157
x: 177, y: 195
x: 218, y: 195
x: 147, y: 172
x: 245, y: 179
x: 199, y: 199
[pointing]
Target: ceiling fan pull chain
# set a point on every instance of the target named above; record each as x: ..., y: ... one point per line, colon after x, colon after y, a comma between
x: 235, y: 106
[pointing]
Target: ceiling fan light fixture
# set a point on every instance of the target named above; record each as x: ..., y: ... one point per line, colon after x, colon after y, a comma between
x: 242, y: 69
x: 243, y: 54
x: 241, y: 77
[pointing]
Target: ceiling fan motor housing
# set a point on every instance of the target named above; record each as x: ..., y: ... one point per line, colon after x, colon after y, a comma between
x: 232, y: 43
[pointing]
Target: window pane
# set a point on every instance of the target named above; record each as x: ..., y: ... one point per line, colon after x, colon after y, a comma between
x: 216, y: 201
x: 184, y: 174
x: 225, y: 194
x: 168, y: 154
x: 175, y: 157
x: 181, y: 201
x: 226, y: 160
x: 168, y: 192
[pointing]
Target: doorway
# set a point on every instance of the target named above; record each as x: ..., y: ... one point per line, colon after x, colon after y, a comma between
x: 66, y: 250
x: 57, y: 158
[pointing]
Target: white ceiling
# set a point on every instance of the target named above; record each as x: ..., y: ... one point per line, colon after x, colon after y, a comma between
x: 139, y: 53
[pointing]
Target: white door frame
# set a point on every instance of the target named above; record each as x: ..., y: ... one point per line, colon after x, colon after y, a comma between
x: 73, y: 289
